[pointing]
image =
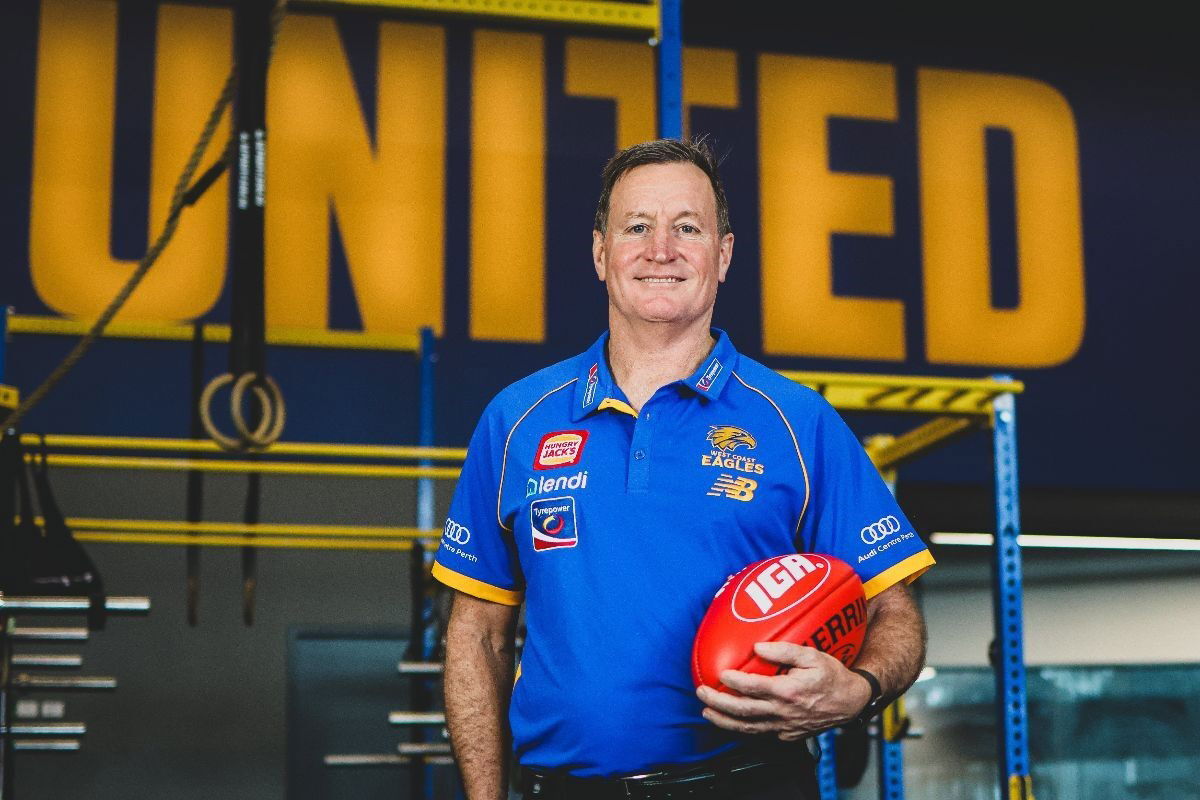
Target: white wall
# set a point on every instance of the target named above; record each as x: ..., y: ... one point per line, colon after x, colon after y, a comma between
x: 1142, y: 619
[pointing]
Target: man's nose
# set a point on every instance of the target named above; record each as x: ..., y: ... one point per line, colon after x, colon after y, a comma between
x: 662, y: 246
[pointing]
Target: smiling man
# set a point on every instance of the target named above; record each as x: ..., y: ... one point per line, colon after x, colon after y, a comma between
x: 613, y: 493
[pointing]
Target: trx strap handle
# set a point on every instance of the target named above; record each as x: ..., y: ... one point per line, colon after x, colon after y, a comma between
x: 255, y: 22
x: 67, y: 565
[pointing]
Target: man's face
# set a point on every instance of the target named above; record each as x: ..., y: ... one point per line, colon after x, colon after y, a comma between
x: 662, y: 257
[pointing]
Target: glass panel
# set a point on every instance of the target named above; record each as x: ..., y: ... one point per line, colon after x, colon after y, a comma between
x: 1097, y: 733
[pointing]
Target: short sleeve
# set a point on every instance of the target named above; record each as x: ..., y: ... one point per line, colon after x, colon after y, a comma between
x: 852, y: 514
x: 476, y: 554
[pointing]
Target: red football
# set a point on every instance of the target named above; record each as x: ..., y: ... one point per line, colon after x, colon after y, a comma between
x: 803, y: 598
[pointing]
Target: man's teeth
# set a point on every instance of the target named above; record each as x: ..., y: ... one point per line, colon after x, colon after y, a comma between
x: 660, y: 280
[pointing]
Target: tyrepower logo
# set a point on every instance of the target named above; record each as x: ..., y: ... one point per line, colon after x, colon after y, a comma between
x: 553, y: 524
x: 879, y: 530
x: 560, y: 449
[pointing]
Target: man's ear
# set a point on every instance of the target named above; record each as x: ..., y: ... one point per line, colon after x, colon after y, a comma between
x: 598, y: 254
x: 725, y: 257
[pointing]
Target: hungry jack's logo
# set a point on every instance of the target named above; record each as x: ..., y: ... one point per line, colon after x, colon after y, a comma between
x: 560, y: 449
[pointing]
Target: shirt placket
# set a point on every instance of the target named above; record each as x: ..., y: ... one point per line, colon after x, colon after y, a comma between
x: 640, y: 449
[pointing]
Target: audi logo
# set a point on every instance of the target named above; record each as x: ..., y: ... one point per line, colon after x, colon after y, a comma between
x: 878, y: 531
x: 459, y: 534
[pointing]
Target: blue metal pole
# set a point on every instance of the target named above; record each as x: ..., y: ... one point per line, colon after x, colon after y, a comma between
x: 891, y: 768
x: 425, y: 521
x: 826, y: 767
x: 1009, y: 658
x: 425, y: 496
x: 670, y: 69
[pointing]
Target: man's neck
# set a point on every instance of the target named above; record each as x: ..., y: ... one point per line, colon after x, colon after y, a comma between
x: 644, y: 357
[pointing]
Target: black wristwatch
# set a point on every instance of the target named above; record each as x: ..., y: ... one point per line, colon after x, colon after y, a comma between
x: 875, y: 704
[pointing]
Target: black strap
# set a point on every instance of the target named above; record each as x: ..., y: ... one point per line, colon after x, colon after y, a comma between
x: 195, y: 478
x: 248, y: 331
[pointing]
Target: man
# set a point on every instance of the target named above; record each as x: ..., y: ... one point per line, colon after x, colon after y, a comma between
x: 614, y: 492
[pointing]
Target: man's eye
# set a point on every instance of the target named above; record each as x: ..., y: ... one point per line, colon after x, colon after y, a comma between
x: 686, y: 228
x: 638, y: 228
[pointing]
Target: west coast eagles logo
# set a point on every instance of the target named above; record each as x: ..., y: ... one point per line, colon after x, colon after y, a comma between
x: 725, y: 439
x: 729, y: 438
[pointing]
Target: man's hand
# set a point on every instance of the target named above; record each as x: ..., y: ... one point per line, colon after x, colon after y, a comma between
x: 814, y: 693
x: 813, y: 690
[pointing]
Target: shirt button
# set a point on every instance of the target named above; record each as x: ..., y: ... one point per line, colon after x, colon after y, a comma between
x: 639, y: 454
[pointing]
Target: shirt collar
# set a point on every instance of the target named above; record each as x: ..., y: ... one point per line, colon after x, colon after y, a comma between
x: 596, y: 383
x: 714, y: 371
x: 595, y: 380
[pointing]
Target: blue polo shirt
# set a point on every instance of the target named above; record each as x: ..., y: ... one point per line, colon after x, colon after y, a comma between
x: 616, y: 528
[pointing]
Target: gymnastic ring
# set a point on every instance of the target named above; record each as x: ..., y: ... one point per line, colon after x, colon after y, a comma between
x: 270, y: 399
x: 215, y: 433
x: 262, y: 436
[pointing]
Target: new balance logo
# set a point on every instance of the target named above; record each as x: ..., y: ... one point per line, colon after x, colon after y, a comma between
x: 737, y: 488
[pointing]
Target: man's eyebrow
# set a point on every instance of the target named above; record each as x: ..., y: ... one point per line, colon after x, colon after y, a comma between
x: 687, y: 212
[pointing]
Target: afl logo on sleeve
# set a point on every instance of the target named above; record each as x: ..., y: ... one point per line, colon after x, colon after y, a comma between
x: 560, y: 449
x: 553, y: 524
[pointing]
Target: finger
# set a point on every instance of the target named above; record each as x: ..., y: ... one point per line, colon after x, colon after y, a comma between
x: 740, y: 707
x: 788, y: 654
x: 775, y: 688
x: 739, y: 725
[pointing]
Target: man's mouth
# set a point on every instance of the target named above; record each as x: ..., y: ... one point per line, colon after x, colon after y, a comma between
x: 668, y: 279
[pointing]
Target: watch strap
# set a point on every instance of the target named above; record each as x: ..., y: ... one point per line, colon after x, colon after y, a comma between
x: 875, y: 703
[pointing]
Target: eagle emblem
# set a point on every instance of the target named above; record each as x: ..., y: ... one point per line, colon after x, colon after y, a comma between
x: 729, y: 438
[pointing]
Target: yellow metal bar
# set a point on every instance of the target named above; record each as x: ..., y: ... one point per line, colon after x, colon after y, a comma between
x: 243, y: 541
x: 636, y: 16
x: 890, y: 451
x: 895, y: 721
x: 1020, y: 787
x: 261, y: 529
x: 293, y: 337
x: 9, y: 397
x: 903, y: 381
x: 921, y: 394
x: 263, y: 467
x: 69, y: 441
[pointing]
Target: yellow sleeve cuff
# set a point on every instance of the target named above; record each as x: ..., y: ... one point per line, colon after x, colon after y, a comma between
x: 907, y: 570
x: 477, y: 588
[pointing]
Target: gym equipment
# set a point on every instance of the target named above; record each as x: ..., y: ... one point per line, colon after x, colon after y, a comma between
x: 13, y: 683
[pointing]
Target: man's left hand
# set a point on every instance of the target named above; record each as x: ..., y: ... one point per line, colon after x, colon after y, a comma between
x: 813, y: 692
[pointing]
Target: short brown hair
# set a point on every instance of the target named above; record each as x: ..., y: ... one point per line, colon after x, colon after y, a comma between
x: 663, y: 151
